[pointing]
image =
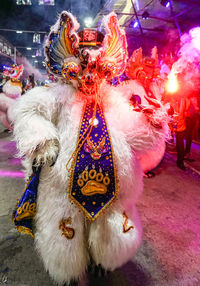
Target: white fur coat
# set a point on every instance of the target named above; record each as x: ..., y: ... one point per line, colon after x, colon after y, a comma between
x: 46, y: 125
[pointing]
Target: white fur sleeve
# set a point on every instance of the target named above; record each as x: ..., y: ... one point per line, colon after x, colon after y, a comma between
x: 144, y: 135
x: 34, y: 116
x: 139, y: 128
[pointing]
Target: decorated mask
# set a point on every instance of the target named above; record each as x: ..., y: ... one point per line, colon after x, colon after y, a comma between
x: 144, y: 69
x: 13, y: 72
x: 86, y: 57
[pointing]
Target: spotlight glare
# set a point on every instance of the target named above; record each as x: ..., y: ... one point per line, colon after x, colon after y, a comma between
x: 88, y: 22
x: 19, y: 32
x: 29, y: 49
x: 165, y: 3
x: 172, y: 84
x: 33, y: 56
x: 134, y: 24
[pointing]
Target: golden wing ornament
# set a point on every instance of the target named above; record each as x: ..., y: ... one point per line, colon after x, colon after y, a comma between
x: 62, y: 43
x: 114, y: 52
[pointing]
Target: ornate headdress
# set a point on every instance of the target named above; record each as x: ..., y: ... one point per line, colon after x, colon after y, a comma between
x: 65, y: 49
x: 13, y: 72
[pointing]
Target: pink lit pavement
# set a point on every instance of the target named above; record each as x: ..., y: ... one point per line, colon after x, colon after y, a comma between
x: 170, y: 212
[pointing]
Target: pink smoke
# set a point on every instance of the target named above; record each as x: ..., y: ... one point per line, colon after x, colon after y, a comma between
x: 29, y: 69
x: 188, y: 63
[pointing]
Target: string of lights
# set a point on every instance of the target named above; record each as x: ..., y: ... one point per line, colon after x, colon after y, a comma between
x: 40, y: 2
x: 22, y: 31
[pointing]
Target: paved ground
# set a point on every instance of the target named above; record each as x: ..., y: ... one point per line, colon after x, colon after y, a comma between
x: 170, y: 213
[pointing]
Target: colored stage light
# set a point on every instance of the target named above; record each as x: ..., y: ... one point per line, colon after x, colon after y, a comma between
x: 134, y: 24
x: 165, y: 3
x: 46, y: 2
x: 172, y: 84
x: 88, y: 22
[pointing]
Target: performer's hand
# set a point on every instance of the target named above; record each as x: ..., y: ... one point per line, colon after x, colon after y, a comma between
x: 46, y: 154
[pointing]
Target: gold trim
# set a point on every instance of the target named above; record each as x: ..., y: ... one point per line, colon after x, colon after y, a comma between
x: 13, y: 215
x: 125, y: 224
x: 27, y: 215
x: 89, y: 43
x: 67, y: 231
x: 25, y: 230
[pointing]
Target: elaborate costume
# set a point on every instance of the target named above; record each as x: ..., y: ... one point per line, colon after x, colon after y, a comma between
x: 11, y: 90
x: 145, y: 75
x: 85, y: 135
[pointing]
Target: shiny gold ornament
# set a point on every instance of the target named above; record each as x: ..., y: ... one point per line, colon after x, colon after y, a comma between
x: 92, y: 183
x: 67, y: 231
x: 125, y: 227
x: 70, y: 70
x: 109, y: 70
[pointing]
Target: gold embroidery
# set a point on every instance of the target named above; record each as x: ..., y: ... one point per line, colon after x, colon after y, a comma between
x: 96, y: 183
x: 25, y: 230
x: 92, y: 174
x: 85, y: 176
x: 92, y: 187
x: 67, y: 231
x: 99, y: 177
x: 96, y: 149
x: 125, y: 228
x: 26, y: 211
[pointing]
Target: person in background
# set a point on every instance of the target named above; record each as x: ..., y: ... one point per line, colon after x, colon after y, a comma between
x: 31, y: 83
x: 191, y: 116
x: 179, y: 106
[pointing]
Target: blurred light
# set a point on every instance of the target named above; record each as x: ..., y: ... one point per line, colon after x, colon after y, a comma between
x: 36, y: 61
x: 11, y: 174
x: 172, y: 84
x: 88, y: 22
x: 134, y: 24
x: 36, y: 38
x: 136, y: 2
x: 46, y: 2
x: 145, y: 15
x: 38, y: 53
x: 23, y: 2
x: 19, y: 32
x: 165, y: 3
x: 29, y: 49
x: 33, y: 56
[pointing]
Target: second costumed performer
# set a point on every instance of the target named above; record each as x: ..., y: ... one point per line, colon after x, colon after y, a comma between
x: 83, y: 136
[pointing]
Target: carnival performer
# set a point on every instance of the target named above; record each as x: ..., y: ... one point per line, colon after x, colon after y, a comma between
x: 12, y: 89
x: 146, y: 81
x: 81, y: 137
